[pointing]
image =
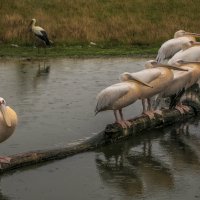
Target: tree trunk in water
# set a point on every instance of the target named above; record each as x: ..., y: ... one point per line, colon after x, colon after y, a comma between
x: 112, y: 133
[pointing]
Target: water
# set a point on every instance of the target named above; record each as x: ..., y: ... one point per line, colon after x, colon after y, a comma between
x: 58, y: 107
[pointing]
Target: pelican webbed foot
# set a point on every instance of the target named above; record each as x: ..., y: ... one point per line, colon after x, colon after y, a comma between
x: 158, y: 112
x: 4, y: 160
x: 185, y: 108
x: 182, y: 108
x: 123, y: 124
x: 150, y: 114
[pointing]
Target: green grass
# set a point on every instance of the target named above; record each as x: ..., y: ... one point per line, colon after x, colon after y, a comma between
x: 76, y: 51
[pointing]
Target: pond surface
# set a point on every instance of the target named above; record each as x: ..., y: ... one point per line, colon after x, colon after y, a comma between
x: 57, y: 107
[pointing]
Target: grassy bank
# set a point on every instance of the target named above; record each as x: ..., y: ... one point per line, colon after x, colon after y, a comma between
x: 76, y: 51
x: 106, y: 22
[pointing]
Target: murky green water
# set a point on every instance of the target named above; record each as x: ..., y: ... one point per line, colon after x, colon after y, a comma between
x: 58, y: 107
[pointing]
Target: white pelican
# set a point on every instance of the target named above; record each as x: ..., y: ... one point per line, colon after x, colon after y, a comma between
x: 158, y: 75
x: 180, y: 82
x: 40, y: 33
x: 194, y: 67
x: 172, y: 46
x: 118, y: 96
x: 8, y: 122
x: 190, y: 52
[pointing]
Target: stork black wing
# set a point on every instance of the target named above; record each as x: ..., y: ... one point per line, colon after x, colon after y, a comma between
x: 44, y: 37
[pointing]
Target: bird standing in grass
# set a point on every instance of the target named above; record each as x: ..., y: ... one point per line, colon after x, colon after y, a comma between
x: 41, y: 35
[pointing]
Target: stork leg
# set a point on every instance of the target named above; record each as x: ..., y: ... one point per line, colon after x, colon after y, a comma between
x: 45, y: 51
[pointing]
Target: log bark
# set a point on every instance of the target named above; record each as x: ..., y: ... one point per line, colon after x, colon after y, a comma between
x: 112, y: 133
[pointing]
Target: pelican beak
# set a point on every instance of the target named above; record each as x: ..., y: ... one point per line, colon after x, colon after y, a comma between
x: 192, y: 34
x: 188, y: 62
x: 171, y: 67
x: 195, y: 43
x: 5, y: 115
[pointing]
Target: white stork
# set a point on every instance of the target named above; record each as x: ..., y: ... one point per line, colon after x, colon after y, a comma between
x: 40, y: 34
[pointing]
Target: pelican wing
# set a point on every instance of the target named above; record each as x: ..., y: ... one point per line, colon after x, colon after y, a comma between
x: 143, y: 77
x: 107, y: 97
x: 191, y: 54
x: 180, y: 81
x: 147, y: 75
x: 170, y: 47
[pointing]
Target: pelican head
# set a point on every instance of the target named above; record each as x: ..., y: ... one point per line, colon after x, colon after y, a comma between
x: 150, y: 64
x: 4, y: 111
x: 153, y: 64
x: 189, y: 44
x: 180, y: 62
x: 125, y: 76
x: 2, y: 101
x: 182, y: 33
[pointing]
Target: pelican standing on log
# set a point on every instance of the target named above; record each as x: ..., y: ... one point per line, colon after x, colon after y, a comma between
x: 172, y: 46
x: 40, y: 34
x: 158, y: 75
x: 190, y: 52
x: 118, y: 96
x: 182, y: 81
x: 8, y: 122
x: 194, y: 67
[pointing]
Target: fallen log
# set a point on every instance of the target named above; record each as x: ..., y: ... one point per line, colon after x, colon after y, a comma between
x: 112, y: 133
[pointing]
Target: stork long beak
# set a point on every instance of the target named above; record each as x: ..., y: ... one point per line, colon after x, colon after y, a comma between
x: 192, y: 34
x: 5, y: 115
x: 170, y: 67
x: 139, y: 81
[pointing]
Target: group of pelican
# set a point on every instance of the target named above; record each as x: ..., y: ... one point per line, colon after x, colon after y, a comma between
x: 157, y: 79
x: 160, y: 79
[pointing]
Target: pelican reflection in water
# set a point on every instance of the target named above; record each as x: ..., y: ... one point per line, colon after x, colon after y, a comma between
x: 132, y: 173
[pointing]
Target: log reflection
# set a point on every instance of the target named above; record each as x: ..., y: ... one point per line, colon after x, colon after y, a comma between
x: 132, y: 168
x: 150, y: 162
